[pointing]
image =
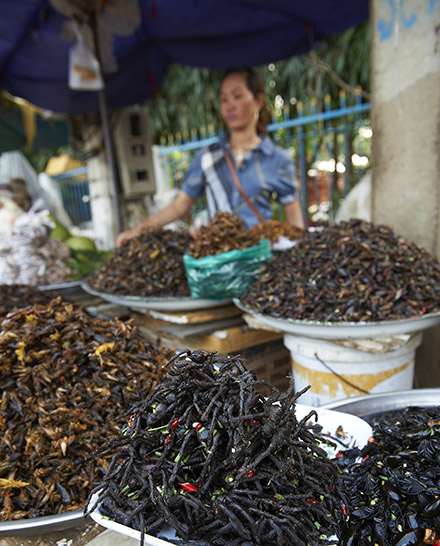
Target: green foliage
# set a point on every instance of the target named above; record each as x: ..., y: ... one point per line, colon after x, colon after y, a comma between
x: 188, y: 97
x: 87, y: 261
x: 187, y: 100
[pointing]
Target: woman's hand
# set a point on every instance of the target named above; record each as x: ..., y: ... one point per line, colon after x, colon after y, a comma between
x: 126, y: 235
x: 178, y: 208
x: 294, y: 214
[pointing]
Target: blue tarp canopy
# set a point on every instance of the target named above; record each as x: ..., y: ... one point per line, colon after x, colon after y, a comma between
x: 201, y: 33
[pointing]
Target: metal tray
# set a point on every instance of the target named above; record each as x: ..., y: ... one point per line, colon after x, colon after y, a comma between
x: 344, y: 330
x: 172, y: 304
x: 64, y: 287
x: 368, y: 404
x: 46, y: 524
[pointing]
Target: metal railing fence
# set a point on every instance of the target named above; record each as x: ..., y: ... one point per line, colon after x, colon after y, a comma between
x: 74, y: 189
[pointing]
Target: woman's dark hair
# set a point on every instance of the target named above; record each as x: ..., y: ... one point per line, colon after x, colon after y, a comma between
x: 255, y: 84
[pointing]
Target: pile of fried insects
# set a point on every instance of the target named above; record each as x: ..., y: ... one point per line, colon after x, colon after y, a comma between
x: 207, y: 455
x: 66, y: 379
x: 393, y: 482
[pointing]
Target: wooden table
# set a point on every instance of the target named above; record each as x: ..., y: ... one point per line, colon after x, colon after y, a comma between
x: 220, y: 329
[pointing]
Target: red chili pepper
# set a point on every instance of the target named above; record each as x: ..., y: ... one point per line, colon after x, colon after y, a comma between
x: 311, y: 501
x: 62, y: 379
x: 250, y: 474
x: 189, y: 487
x: 339, y: 454
x: 130, y: 421
x: 167, y: 439
x: 437, y: 542
x: 256, y: 422
x: 344, y: 509
x: 365, y: 458
x: 198, y: 427
x: 174, y: 423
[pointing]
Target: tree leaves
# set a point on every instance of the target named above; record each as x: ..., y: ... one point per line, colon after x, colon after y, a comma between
x: 188, y: 98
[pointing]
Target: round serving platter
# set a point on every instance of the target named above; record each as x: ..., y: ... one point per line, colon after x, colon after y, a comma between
x: 46, y: 524
x: 175, y: 304
x: 369, y: 404
x: 63, y: 287
x: 344, y: 330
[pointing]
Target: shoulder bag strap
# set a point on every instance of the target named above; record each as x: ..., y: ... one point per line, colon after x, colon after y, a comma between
x: 240, y: 187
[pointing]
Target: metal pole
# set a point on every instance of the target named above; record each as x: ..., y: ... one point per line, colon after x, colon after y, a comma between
x: 108, y: 142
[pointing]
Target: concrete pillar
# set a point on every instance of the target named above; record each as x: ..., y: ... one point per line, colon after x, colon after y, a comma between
x: 104, y: 219
x: 104, y: 222
x: 406, y: 118
x: 406, y: 127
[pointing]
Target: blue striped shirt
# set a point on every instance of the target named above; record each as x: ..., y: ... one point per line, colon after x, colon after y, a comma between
x: 266, y: 171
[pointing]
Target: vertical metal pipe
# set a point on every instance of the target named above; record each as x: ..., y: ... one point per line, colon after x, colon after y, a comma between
x: 108, y: 142
x: 345, y: 133
x: 302, y: 164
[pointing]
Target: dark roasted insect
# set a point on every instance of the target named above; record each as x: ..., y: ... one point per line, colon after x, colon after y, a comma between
x: 353, y: 271
x: 66, y: 377
x: 150, y: 264
x: 16, y: 296
x: 393, y: 483
x: 207, y: 454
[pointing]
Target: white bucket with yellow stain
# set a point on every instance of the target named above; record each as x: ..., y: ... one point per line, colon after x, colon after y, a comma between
x: 339, y: 369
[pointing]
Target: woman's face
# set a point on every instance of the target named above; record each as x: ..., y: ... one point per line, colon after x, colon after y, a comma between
x: 237, y: 103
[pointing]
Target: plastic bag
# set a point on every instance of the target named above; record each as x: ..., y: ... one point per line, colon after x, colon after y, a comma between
x: 84, y: 70
x: 226, y: 275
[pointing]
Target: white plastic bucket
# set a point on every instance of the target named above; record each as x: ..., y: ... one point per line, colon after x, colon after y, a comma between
x: 335, y: 372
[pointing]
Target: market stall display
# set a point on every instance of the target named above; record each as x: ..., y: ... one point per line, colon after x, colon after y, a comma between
x: 33, y: 254
x: 145, y: 304
x: 224, y: 259
x: 342, y: 330
x: 274, y: 230
x: 207, y: 454
x: 29, y: 256
x: 85, y: 256
x: 67, y: 378
x: 225, y: 232
x: 148, y: 265
x: 347, y: 275
x: 345, y: 428
x: 148, y: 272
x: 393, y: 494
